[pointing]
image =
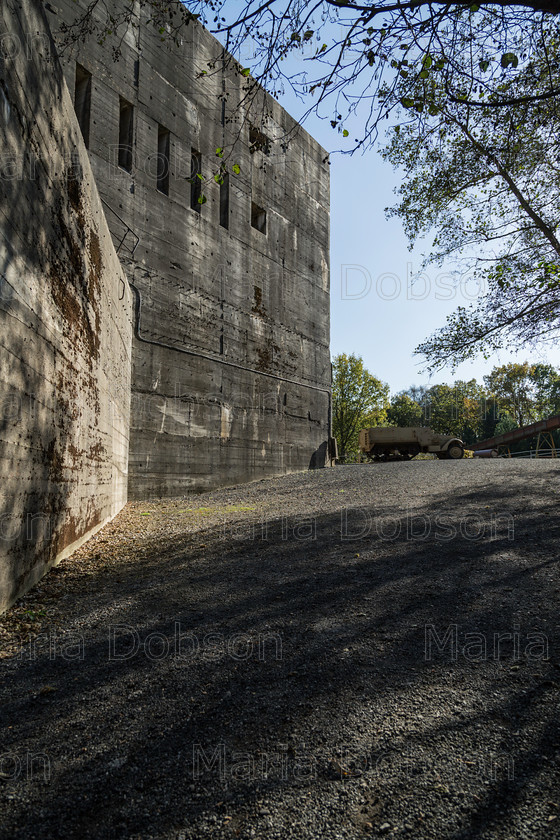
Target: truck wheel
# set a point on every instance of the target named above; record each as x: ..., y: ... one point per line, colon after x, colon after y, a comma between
x: 455, y: 451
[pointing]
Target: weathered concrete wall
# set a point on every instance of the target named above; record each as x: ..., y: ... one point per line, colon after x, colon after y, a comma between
x: 65, y: 319
x: 231, y: 366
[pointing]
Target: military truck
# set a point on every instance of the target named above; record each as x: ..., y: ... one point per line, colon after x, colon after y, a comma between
x: 401, y: 444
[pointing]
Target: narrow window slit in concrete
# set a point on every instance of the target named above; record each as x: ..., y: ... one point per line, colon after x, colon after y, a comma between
x: 258, y: 218
x: 163, y: 160
x: 82, y: 101
x: 196, y: 182
x: 224, y: 202
x: 126, y: 125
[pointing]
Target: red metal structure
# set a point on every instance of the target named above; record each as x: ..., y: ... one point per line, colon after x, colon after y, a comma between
x: 542, y: 429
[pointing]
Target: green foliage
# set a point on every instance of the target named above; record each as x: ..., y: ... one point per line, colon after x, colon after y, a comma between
x: 546, y: 381
x: 505, y: 424
x: 456, y: 409
x: 484, y: 181
x: 513, y: 395
x: 509, y: 59
x: 490, y: 417
x: 359, y: 400
x: 513, y: 386
x: 404, y: 412
x: 386, y: 52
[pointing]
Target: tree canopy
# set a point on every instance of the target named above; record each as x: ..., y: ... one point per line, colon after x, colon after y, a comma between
x: 366, y: 57
x: 404, y: 411
x: 359, y: 401
x: 486, y: 179
x: 512, y: 395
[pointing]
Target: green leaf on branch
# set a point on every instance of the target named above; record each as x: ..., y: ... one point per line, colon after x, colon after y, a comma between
x: 508, y: 59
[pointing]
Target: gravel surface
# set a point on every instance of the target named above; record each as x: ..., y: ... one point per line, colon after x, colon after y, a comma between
x: 370, y: 650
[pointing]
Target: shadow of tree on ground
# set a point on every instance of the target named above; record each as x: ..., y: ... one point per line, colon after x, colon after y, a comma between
x: 222, y: 678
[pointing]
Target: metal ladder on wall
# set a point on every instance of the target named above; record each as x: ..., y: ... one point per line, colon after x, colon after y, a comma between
x: 127, y: 230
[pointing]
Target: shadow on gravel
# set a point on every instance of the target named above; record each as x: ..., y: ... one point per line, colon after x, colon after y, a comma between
x: 353, y: 682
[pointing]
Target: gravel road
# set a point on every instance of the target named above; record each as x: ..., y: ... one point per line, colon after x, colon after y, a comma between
x: 366, y: 651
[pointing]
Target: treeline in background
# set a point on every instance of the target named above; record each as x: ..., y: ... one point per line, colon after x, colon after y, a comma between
x: 511, y: 396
